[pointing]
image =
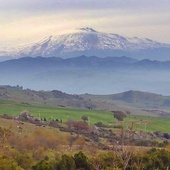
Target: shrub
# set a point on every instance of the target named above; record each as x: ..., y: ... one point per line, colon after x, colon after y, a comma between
x: 119, y: 115
x: 67, y: 163
x: 81, y: 161
x: 8, y: 164
x: 43, y: 165
x: 99, y: 124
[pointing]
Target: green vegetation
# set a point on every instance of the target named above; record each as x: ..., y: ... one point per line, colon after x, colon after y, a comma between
x: 53, y: 112
x: 31, y: 147
x: 152, y: 123
x: 40, y: 135
x: 94, y: 116
x: 63, y: 137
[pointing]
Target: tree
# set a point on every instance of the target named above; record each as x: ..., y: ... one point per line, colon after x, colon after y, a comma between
x: 42, y: 165
x: 4, y: 134
x: 99, y: 124
x: 23, y: 160
x: 84, y: 118
x: 166, y: 136
x: 8, y: 164
x: 67, y: 163
x: 119, y: 115
x: 111, y: 161
x: 157, y: 159
x: 128, y: 113
x: 78, y: 125
x: 122, y: 148
x: 81, y: 161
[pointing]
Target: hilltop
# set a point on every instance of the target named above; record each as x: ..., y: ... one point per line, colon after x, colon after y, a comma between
x: 144, y: 100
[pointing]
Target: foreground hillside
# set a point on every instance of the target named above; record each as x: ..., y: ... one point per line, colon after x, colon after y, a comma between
x: 52, y: 130
x: 58, y: 146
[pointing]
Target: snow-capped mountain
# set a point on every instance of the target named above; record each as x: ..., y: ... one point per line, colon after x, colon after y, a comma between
x: 87, y: 41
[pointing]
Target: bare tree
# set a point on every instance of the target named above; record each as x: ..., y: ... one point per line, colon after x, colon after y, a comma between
x: 4, y: 134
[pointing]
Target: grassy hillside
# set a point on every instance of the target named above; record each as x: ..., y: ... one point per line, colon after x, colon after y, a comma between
x: 62, y: 106
x: 55, y: 98
x: 49, y: 111
x: 135, y: 99
x: 106, y: 117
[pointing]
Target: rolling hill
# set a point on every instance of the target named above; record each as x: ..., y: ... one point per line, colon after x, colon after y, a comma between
x: 139, y: 103
x: 134, y: 98
x: 55, y: 98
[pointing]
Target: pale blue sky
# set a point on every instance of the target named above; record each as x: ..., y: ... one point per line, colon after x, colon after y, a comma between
x: 23, y: 21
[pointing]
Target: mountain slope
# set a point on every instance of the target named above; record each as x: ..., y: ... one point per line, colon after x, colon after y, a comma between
x: 87, y: 41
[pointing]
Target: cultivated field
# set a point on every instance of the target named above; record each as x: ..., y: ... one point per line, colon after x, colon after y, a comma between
x: 144, y: 123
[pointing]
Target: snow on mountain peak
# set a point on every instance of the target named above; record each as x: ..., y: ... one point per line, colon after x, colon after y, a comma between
x: 84, y: 41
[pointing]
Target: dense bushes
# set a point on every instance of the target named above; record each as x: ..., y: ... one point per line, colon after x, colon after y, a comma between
x: 8, y: 164
x: 43, y: 165
x: 67, y: 163
x: 81, y: 161
x: 77, y: 162
x: 150, y: 160
x: 51, y: 150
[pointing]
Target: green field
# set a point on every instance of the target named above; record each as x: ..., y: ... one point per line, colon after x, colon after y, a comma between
x: 152, y: 123
x: 106, y: 117
x: 53, y: 112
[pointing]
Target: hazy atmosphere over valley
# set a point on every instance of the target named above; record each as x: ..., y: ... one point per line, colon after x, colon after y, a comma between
x: 74, y: 36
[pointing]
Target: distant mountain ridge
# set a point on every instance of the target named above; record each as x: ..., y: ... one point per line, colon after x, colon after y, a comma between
x: 87, y: 74
x: 83, y: 62
x: 87, y: 41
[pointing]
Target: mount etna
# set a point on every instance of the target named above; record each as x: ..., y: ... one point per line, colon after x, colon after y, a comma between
x: 87, y: 41
x: 87, y: 61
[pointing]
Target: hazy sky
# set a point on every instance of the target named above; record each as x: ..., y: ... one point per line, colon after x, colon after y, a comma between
x: 23, y: 21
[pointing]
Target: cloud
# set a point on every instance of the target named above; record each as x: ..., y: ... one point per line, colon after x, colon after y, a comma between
x: 24, y: 21
x: 53, y: 5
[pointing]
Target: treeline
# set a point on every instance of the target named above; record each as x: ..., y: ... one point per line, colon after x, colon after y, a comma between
x: 151, y: 160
